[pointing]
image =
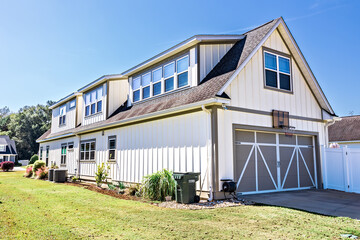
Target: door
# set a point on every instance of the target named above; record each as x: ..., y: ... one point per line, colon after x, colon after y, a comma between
x: 268, y: 161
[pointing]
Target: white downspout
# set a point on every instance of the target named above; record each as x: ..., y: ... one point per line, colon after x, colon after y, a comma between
x: 327, y: 125
x: 209, y: 146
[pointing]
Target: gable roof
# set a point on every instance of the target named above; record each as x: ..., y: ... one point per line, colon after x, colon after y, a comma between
x: 10, y: 145
x: 348, y: 129
x: 210, y: 88
x: 299, y: 59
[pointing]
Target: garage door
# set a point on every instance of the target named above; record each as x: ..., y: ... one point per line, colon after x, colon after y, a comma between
x: 268, y: 161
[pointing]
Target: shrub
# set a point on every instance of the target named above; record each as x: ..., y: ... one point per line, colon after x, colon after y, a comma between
x: 54, y: 166
x: 120, y: 185
x: 29, y: 171
x: 33, y: 159
x: 101, y: 174
x: 74, y: 178
x: 159, y: 185
x: 7, y: 166
x: 42, y: 172
x: 38, y: 164
x: 134, y: 189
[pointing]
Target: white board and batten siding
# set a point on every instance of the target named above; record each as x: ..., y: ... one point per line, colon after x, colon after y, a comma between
x: 180, y: 144
x: 210, y: 55
x: 70, y: 118
x: 247, y: 91
x: 55, y: 153
x: 86, y: 120
x: 118, y: 91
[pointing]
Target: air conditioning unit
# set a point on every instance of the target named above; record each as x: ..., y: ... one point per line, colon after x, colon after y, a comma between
x: 228, y: 185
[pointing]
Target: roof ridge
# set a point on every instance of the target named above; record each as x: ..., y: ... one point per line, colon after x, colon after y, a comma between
x: 261, y: 25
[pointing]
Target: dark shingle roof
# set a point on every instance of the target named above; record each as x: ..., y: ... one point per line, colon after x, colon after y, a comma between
x: 10, y: 145
x: 348, y: 129
x: 207, y: 89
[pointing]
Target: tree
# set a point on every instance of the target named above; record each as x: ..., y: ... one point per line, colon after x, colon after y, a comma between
x: 27, y: 125
x: 5, y: 117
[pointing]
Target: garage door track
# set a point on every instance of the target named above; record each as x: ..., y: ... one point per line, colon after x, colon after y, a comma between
x: 326, y: 202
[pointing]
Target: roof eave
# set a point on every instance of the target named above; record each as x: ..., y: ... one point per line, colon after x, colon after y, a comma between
x: 180, y: 47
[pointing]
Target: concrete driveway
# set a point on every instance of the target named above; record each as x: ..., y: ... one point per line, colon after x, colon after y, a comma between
x: 326, y: 202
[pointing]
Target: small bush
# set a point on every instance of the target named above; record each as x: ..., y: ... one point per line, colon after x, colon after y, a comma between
x: 101, y: 174
x: 74, y: 178
x: 33, y: 159
x: 54, y: 166
x: 134, y: 189
x: 7, y: 166
x: 120, y: 185
x: 159, y: 185
x: 29, y: 171
x: 38, y: 164
x: 42, y: 172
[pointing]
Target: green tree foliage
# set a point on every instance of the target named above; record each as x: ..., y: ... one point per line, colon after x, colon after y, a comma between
x: 33, y: 159
x: 25, y: 126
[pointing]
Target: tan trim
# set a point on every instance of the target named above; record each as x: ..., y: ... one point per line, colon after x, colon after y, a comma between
x: 291, y: 91
x: 214, y: 149
x: 254, y: 111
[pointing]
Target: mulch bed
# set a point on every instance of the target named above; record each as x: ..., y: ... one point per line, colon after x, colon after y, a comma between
x: 171, y: 204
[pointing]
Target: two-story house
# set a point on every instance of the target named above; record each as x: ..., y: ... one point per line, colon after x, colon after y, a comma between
x: 7, y: 149
x: 245, y: 107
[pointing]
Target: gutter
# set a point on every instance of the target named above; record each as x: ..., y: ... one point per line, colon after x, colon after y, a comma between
x: 211, y: 101
x: 327, y: 125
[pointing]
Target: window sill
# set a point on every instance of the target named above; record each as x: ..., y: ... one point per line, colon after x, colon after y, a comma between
x: 162, y: 94
x: 112, y: 161
x: 87, y: 161
x: 62, y: 165
x: 62, y: 125
x: 92, y: 115
x: 279, y: 90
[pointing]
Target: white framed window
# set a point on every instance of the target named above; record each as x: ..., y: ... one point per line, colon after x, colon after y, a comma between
x: 112, y: 148
x: 47, y: 155
x: 62, y: 115
x: 277, y: 71
x: 41, y: 153
x: 2, y: 148
x: 72, y: 104
x: 63, y: 154
x: 170, y: 76
x: 93, y: 101
x: 87, y: 150
x: 70, y: 146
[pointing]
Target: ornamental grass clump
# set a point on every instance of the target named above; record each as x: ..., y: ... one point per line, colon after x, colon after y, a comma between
x: 42, y: 172
x: 29, y: 171
x: 159, y: 185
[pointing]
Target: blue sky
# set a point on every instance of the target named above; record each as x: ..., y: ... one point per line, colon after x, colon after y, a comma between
x: 51, y: 48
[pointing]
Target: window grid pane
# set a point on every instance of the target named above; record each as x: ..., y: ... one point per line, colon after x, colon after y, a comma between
x: 284, y: 65
x: 146, y: 92
x: 146, y: 79
x: 136, y: 83
x: 157, y: 75
x: 183, y: 64
x: 183, y: 79
x: 169, y: 70
x: 157, y: 88
x: 169, y: 84
x: 270, y: 61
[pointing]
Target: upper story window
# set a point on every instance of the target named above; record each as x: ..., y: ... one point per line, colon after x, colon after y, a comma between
x: 62, y: 115
x: 277, y: 71
x: 93, y: 101
x: 170, y: 76
x: 2, y: 148
x: 72, y: 104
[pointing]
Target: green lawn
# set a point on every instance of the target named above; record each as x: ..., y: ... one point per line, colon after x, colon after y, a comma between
x: 34, y: 209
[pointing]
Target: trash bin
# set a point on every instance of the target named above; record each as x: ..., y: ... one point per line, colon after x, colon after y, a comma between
x: 186, y: 187
x: 51, y: 174
x: 60, y: 175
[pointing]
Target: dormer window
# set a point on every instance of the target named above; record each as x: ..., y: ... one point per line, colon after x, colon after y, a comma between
x: 62, y: 115
x: 2, y: 148
x: 93, y: 101
x: 168, y: 77
x: 277, y: 71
